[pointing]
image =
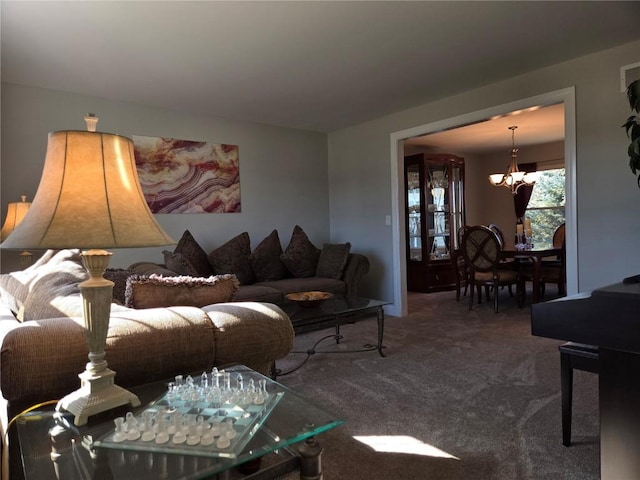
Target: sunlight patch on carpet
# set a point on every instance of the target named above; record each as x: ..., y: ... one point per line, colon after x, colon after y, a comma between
x: 402, y: 444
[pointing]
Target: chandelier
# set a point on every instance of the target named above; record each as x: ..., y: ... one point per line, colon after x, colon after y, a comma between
x: 514, y: 178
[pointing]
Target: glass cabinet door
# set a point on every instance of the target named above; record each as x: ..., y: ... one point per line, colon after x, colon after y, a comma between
x: 457, y: 205
x: 438, y: 212
x: 414, y: 203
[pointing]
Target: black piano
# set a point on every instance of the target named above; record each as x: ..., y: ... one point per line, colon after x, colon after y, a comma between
x: 608, y: 317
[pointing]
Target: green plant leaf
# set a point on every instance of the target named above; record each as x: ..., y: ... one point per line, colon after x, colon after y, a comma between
x: 633, y: 94
x: 628, y: 125
x: 632, y: 127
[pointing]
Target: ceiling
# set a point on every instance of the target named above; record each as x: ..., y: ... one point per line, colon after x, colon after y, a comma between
x: 535, y: 126
x: 320, y: 66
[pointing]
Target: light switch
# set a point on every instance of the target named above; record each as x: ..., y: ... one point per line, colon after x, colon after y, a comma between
x: 387, y: 220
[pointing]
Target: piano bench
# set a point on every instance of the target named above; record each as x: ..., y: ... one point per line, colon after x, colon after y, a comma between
x: 581, y: 357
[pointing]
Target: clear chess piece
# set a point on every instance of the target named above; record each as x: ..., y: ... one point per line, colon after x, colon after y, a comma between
x: 133, y: 434
x: 119, y: 435
x: 261, y: 395
x: 179, y: 437
x: 161, y: 435
x: 171, y: 392
x: 175, y: 423
x: 223, y: 442
x: 215, y: 377
x: 229, y: 431
x: 207, y: 438
x: 215, y: 429
x: 148, y: 436
x: 200, y: 425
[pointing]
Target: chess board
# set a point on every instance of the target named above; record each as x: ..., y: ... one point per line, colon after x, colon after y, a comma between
x: 215, y: 416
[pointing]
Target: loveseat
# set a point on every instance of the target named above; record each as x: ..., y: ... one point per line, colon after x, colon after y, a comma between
x: 267, y: 273
x: 42, y: 355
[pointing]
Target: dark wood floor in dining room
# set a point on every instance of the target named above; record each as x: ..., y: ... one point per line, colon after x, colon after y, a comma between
x: 473, y: 390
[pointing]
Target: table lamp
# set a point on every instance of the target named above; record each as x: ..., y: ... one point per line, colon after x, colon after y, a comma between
x: 89, y: 197
x: 15, y: 213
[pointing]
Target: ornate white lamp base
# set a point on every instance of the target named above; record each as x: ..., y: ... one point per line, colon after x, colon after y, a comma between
x: 97, y: 394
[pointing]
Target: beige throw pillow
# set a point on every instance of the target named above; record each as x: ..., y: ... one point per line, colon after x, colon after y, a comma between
x: 156, y: 291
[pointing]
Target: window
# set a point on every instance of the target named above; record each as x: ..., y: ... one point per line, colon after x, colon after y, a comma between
x: 546, y: 206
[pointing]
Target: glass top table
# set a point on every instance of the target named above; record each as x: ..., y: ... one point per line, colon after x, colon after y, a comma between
x: 332, y: 313
x: 336, y: 311
x: 53, y: 448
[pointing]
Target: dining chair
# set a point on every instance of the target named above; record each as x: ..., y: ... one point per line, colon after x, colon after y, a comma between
x: 579, y: 357
x: 555, y: 274
x: 505, y: 262
x: 559, y: 236
x: 482, y: 252
x: 554, y: 270
x: 496, y: 229
x: 461, y: 271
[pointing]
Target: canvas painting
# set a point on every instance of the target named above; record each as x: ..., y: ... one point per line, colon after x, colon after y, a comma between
x: 183, y: 176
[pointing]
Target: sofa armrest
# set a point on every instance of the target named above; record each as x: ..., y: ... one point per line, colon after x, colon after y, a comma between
x: 357, y: 266
x: 147, y: 268
x: 250, y: 333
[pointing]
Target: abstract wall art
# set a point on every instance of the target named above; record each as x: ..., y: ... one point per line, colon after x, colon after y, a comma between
x: 183, y: 176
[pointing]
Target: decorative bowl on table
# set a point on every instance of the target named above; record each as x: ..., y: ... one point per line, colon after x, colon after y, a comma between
x: 308, y: 299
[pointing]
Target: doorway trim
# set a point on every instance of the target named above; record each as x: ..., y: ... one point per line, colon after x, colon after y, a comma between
x: 566, y: 96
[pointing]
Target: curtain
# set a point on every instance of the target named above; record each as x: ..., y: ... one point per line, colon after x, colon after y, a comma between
x: 523, y: 195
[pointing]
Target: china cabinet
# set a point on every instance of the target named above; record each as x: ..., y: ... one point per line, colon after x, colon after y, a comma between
x: 434, y: 195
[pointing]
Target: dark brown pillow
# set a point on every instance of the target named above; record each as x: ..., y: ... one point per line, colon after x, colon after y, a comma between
x: 193, y: 252
x: 265, y: 259
x: 176, y: 262
x: 233, y: 257
x: 333, y: 259
x: 119, y: 278
x: 301, y: 256
x: 156, y: 291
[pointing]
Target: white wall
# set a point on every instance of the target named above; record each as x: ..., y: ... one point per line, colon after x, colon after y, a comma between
x: 283, y: 172
x: 608, y: 223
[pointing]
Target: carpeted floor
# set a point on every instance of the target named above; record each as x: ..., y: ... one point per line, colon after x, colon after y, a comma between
x: 473, y: 394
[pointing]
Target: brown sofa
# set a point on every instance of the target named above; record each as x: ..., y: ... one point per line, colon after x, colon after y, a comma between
x: 273, y: 291
x: 41, y: 357
x: 267, y: 273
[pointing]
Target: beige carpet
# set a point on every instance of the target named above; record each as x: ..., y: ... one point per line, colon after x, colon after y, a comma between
x: 473, y: 394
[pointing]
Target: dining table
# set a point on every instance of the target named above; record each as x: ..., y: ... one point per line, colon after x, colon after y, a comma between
x: 532, y: 255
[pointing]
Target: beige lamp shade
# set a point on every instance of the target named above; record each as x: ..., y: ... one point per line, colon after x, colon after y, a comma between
x: 15, y: 213
x: 89, y: 197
